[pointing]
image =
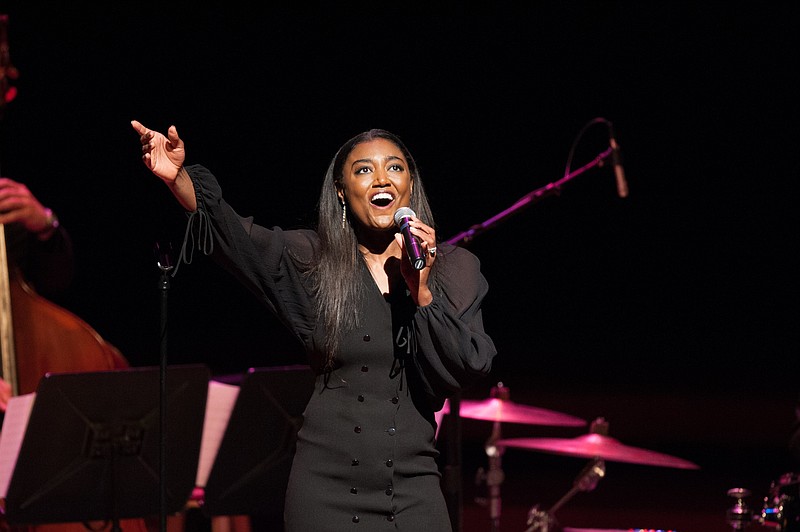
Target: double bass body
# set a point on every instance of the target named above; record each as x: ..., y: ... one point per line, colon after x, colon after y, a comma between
x: 43, y: 337
x: 49, y: 338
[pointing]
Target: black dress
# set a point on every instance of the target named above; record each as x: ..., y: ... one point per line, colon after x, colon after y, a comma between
x: 366, y: 453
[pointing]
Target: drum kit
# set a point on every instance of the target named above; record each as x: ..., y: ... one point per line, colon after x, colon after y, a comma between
x: 780, y: 510
x: 596, y: 446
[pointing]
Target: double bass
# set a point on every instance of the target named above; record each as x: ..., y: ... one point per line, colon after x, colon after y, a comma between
x: 36, y: 335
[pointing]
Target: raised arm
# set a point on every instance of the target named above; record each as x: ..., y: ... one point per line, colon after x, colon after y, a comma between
x: 164, y: 156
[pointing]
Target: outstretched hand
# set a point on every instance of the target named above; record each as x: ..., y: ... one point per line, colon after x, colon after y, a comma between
x: 163, y: 155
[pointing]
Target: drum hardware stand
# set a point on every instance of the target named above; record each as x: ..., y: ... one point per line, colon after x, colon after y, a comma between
x: 781, y: 508
x: 495, y: 476
x: 739, y: 515
x: 540, y: 520
x: 587, y: 480
x: 452, y: 483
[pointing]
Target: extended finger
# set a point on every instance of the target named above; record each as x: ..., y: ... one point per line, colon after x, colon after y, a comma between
x: 139, y: 127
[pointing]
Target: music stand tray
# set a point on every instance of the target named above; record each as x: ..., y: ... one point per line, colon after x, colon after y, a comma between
x: 251, y: 470
x: 91, y: 450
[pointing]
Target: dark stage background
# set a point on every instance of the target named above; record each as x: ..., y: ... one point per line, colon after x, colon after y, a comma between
x: 672, y: 312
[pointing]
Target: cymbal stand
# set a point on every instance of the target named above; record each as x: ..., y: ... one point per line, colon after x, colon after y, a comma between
x: 541, y: 520
x: 739, y: 516
x: 495, y: 476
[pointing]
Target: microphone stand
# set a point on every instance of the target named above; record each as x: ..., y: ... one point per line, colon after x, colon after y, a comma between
x: 164, y: 264
x: 526, y: 200
x: 452, y: 476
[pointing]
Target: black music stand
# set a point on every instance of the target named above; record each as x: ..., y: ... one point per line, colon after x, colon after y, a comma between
x: 251, y: 470
x: 92, y: 444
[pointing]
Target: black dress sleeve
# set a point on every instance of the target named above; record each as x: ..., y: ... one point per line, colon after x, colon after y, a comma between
x: 453, y: 350
x: 264, y: 260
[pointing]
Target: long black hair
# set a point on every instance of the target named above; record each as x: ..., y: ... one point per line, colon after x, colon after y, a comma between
x: 339, y: 292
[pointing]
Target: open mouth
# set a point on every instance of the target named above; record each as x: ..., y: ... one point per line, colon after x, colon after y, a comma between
x: 382, y: 199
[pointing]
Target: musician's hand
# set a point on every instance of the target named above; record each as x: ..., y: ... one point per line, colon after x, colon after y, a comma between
x: 5, y: 394
x: 163, y: 155
x: 17, y: 204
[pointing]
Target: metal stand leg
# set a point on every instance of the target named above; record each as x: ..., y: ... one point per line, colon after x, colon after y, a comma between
x: 587, y: 480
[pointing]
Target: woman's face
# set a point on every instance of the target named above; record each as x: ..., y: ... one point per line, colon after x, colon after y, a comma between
x: 375, y: 183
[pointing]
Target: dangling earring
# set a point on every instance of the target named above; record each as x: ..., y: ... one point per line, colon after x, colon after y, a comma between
x: 344, y: 215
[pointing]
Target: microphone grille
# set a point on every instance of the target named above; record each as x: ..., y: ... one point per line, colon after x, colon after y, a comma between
x: 402, y: 212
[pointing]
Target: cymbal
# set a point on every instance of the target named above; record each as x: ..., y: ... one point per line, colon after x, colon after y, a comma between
x: 495, y: 409
x: 598, y: 446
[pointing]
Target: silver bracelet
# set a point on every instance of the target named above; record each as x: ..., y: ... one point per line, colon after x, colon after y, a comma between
x: 52, y: 225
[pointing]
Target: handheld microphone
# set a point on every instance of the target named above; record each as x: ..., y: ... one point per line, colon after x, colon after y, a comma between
x: 413, y: 247
x: 616, y: 160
